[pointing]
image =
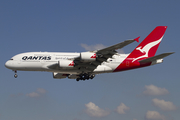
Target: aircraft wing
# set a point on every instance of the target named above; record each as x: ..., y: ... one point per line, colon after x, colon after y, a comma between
x: 102, y: 55
x: 115, y: 47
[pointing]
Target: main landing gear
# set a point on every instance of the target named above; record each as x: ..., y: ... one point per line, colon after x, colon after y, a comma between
x: 85, y: 76
x: 15, y: 74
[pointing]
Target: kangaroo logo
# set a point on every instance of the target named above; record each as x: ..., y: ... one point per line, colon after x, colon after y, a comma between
x: 94, y: 56
x: 146, y: 49
x: 72, y: 63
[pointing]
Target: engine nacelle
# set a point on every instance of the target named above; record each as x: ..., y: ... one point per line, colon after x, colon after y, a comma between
x: 66, y: 63
x: 88, y: 56
x: 59, y: 75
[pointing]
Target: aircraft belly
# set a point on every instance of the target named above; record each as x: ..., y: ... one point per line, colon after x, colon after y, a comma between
x: 30, y: 66
x: 103, y: 69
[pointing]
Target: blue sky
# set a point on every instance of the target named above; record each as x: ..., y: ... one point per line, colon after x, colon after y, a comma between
x: 150, y: 93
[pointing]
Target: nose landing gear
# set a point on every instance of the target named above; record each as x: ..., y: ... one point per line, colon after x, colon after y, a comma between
x: 15, y: 74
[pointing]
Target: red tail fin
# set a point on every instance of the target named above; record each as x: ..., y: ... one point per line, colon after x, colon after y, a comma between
x: 148, y: 47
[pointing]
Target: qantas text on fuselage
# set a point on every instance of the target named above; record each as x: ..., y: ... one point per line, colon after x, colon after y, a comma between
x: 86, y: 65
x: 36, y: 58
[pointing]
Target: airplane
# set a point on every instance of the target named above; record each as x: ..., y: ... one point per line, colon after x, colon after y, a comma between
x: 85, y: 65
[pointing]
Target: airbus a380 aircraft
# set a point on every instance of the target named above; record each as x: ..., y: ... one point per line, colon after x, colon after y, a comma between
x: 86, y: 65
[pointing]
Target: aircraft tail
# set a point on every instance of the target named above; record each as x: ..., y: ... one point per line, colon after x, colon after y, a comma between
x: 148, y: 47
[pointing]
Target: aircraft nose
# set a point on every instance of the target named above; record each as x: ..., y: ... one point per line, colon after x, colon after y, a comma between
x: 8, y: 64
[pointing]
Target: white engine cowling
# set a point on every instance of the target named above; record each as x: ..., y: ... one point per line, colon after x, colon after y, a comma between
x: 88, y: 56
x: 66, y: 63
x: 59, y: 75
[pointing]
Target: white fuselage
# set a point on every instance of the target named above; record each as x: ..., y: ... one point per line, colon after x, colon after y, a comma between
x: 40, y: 61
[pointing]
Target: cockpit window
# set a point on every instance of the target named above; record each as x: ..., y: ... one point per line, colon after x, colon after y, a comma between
x: 11, y: 59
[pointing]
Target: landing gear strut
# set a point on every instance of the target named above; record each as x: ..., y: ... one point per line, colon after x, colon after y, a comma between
x: 15, y: 74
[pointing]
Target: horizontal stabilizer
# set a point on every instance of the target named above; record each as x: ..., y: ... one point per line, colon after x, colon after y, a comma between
x: 154, y: 58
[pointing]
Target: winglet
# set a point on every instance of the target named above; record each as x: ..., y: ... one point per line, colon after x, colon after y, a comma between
x: 137, y: 39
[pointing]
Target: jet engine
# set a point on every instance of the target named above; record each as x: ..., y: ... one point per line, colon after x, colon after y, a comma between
x: 59, y: 75
x: 66, y: 63
x: 88, y: 56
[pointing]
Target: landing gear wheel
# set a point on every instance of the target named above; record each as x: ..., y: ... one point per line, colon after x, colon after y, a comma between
x: 85, y: 76
x: 15, y: 75
x: 77, y: 79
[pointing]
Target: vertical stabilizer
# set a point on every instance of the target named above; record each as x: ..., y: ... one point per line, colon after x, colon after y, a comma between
x: 148, y: 47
